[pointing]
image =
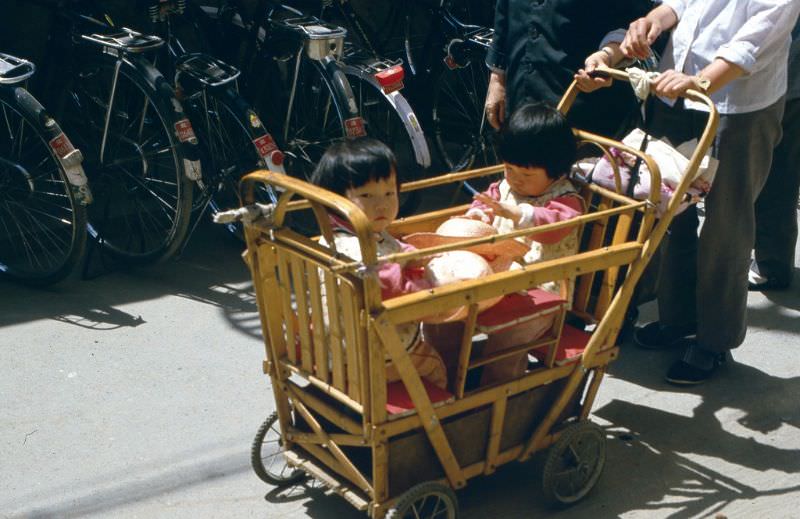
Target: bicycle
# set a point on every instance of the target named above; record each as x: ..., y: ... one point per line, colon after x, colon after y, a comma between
x: 290, y: 72
x: 233, y: 140
x: 140, y: 148
x: 43, y: 189
x: 454, y: 102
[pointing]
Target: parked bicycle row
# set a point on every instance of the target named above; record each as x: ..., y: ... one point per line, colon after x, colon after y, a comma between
x: 161, y: 120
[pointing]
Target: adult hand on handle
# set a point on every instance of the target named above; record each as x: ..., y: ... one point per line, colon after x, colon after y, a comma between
x: 495, y: 106
x: 587, y: 79
x: 672, y: 84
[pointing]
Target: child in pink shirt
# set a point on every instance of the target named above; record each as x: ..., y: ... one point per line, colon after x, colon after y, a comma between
x: 364, y: 171
x: 538, y: 149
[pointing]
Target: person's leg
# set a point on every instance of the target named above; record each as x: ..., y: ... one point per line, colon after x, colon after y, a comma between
x: 672, y: 272
x: 776, y: 218
x: 744, y: 148
x: 513, y: 366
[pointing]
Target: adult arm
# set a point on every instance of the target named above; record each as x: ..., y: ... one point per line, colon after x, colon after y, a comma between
x: 767, y: 27
x: 495, y: 104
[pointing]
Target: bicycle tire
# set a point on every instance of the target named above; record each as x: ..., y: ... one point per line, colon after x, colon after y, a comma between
x: 317, y: 117
x: 461, y: 135
x: 233, y: 142
x: 42, y: 222
x: 143, y: 199
x: 384, y: 120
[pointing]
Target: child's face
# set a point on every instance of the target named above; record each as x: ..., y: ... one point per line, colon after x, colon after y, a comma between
x: 378, y: 200
x: 527, y: 181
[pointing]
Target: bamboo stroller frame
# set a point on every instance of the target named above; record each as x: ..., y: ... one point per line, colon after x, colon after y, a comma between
x: 334, y: 419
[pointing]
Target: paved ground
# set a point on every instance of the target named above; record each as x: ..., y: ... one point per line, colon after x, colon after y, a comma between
x: 136, y: 394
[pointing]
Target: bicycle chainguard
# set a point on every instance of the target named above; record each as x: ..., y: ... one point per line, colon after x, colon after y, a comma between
x: 206, y: 70
x: 126, y: 41
x: 14, y: 70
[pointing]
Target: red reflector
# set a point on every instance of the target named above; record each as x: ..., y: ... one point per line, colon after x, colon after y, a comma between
x: 390, y: 76
x: 276, y: 157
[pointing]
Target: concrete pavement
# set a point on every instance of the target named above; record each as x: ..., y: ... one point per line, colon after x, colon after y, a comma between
x: 136, y: 394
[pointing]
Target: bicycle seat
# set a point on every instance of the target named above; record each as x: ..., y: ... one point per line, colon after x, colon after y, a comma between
x: 207, y: 70
x: 14, y: 70
x: 125, y: 40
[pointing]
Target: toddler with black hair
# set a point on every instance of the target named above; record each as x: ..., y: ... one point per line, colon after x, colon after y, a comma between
x: 538, y: 148
x: 364, y: 170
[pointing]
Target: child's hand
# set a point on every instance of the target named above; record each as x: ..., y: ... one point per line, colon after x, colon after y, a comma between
x: 477, y: 214
x: 496, y: 208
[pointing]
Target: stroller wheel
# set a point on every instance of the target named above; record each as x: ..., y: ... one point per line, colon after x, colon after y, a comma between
x: 266, y: 456
x: 426, y: 501
x: 574, y: 463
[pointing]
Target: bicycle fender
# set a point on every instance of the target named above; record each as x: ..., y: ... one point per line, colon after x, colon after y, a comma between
x: 341, y: 87
x: 190, y: 147
x: 69, y: 157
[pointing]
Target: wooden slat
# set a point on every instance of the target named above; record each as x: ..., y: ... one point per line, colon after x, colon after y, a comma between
x: 339, y: 395
x: 591, y: 393
x: 465, y: 351
x: 573, y: 383
x: 269, y: 308
x: 348, y: 302
x: 377, y: 376
x: 488, y: 396
x: 321, y: 357
x: 416, y: 305
x: 319, y: 473
x: 301, y: 437
x: 285, y: 294
x: 340, y: 419
x: 502, y: 354
x: 380, y: 471
x: 335, y: 330
x: 495, y: 433
x: 430, y: 421
x: 304, y: 320
x: 609, y: 281
x: 350, y: 470
x: 583, y: 288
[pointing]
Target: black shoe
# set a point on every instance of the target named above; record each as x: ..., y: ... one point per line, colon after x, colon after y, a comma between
x: 756, y: 282
x: 696, y: 366
x: 654, y: 336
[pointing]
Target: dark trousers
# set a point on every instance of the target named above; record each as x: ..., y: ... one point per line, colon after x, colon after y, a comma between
x: 776, y: 207
x: 703, y: 279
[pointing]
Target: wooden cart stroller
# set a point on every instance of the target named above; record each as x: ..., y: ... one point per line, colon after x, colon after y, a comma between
x: 399, y: 449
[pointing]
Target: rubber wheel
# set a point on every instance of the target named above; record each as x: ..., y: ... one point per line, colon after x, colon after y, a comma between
x: 574, y: 463
x: 426, y: 501
x: 142, y: 197
x: 266, y: 456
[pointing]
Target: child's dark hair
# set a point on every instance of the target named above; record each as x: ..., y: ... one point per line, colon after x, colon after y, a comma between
x: 538, y: 135
x: 351, y: 163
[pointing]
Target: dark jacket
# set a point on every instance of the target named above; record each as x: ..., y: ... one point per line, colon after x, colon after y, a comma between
x: 542, y: 43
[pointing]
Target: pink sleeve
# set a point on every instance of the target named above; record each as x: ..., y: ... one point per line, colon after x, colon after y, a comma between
x: 556, y: 210
x: 396, y: 280
x: 493, y: 192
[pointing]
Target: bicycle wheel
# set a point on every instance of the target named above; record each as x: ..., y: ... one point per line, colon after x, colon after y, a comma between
x: 42, y: 224
x: 383, y: 120
x: 143, y: 197
x: 462, y: 136
x: 313, y: 117
x: 231, y: 135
